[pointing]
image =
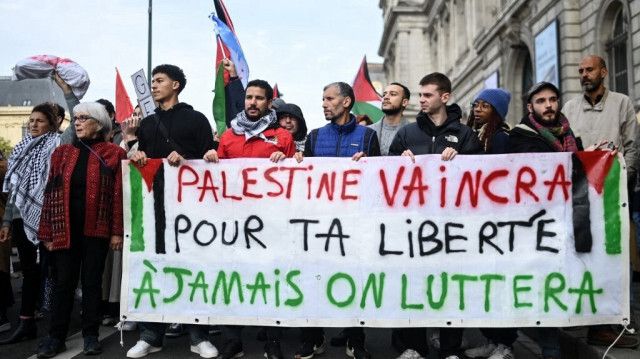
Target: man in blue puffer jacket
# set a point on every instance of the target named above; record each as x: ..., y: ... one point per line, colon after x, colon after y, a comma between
x: 342, y: 137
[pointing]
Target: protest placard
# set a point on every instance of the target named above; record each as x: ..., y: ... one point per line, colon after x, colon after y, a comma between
x: 502, y: 240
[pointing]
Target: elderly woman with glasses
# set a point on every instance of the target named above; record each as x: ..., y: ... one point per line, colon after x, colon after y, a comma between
x: 81, y: 219
x: 25, y: 182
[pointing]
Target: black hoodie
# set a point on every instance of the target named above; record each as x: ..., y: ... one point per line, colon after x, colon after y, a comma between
x: 189, y: 129
x: 423, y: 137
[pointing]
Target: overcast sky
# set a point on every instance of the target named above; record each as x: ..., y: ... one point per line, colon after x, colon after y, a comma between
x: 301, y: 45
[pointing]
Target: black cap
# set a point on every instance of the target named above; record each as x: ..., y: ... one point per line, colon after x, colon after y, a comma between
x: 541, y: 86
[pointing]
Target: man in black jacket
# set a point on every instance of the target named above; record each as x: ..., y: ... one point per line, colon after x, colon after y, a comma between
x: 437, y: 130
x: 176, y: 132
x: 188, y: 132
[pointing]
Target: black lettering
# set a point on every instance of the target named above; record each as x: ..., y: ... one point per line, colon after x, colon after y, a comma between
x: 448, y: 237
x: 213, y: 236
x: 430, y: 238
x: 248, y: 232
x: 486, y: 238
x: 177, y: 229
x: 305, y: 228
x: 382, y: 250
x: 334, y: 224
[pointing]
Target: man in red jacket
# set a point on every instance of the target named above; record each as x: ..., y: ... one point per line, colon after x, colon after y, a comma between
x: 254, y: 132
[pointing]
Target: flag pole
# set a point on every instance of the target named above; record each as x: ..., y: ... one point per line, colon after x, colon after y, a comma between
x: 149, y: 45
x: 219, y: 40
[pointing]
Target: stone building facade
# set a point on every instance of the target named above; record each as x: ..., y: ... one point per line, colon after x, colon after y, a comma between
x: 487, y: 43
x: 17, y: 99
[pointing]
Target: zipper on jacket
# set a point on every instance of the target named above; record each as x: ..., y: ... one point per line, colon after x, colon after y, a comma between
x: 339, y: 143
x: 433, y: 144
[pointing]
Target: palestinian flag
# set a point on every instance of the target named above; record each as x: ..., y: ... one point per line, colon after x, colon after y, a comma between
x: 598, y: 183
x: 143, y: 181
x: 368, y: 101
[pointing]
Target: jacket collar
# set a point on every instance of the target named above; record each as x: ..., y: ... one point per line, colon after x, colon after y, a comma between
x: 347, y: 127
x: 454, y: 114
x: 598, y: 106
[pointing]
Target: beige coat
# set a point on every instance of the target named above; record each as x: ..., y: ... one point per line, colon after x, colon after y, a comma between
x: 613, y: 119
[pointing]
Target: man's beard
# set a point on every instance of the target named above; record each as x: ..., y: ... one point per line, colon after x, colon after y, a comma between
x: 593, y: 86
x: 391, y: 111
x: 538, y: 117
x: 256, y: 118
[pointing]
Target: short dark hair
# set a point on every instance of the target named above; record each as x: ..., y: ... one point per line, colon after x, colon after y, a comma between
x: 406, y: 94
x: 268, y: 90
x: 440, y: 80
x: 344, y: 90
x: 60, y: 109
x: 47, y: 109
x: 108, y: 106
x: 174, y: 72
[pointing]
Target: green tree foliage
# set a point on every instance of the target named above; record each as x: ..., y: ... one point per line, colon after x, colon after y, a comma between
x: 5, y: 146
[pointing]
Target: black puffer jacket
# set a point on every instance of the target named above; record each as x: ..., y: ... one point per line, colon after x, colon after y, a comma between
x: 424, y: 138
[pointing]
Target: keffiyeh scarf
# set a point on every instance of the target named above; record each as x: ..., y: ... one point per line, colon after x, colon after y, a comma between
x: 27, y: 176
x: 559, y: 136
x: 241, y: 125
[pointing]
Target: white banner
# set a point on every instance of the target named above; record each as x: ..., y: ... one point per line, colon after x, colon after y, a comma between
x: 383, y: 242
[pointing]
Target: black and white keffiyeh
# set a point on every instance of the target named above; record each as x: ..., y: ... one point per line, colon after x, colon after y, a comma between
x: 241, y: 125
x: 27, y: 176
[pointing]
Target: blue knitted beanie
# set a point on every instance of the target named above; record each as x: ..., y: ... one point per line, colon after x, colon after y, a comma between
x: 498, y: 98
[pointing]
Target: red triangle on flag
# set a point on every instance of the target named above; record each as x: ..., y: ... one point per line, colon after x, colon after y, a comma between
x: 148, y: 171
x: 596, y: 165
x: 362, y: 87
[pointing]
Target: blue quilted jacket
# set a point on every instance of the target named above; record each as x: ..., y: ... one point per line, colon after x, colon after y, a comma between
x: 335, y: 140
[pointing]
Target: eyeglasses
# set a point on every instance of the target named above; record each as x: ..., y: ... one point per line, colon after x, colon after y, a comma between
x: 483, y: 105
x: 82, y: 118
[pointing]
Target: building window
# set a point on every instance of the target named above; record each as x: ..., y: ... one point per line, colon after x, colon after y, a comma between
x: 616, y: 48
x: 26, y: 103
x: 527, y: 81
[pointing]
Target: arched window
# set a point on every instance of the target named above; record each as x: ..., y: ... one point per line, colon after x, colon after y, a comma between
x: 616, y: 49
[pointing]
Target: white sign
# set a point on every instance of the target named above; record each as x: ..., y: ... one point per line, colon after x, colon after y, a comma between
x: 143, y: 93
x: 381, y: 242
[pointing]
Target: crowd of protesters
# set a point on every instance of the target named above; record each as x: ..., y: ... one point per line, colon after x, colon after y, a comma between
x: 62, y: 192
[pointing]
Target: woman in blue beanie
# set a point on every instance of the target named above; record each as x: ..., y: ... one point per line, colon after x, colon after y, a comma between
x: 487, y: 119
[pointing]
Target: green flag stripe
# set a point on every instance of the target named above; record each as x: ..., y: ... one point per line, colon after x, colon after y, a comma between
x: 137, y: 230
x: 611, y: 200
x: 219, y: 102
x: 364, y: 108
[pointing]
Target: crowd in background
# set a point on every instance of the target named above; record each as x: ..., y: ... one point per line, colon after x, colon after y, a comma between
x: 62, y: 192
